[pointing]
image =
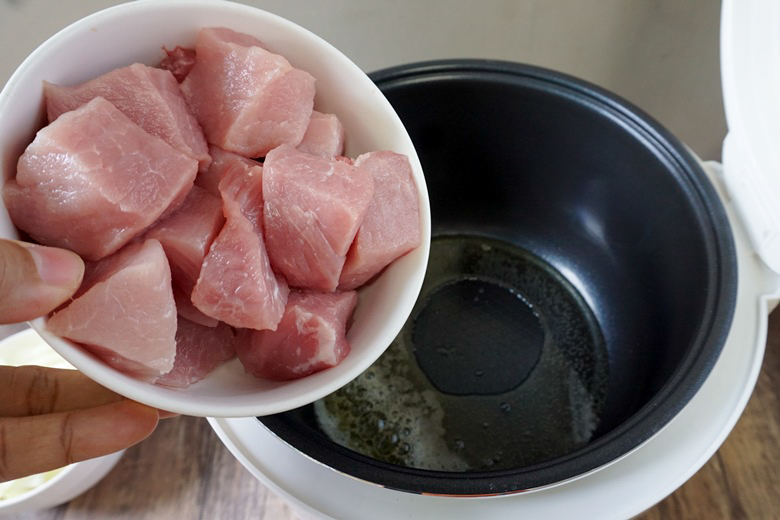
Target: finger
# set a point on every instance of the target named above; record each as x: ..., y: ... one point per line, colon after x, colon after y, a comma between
x: 167, y: 415
x: 35, y: 280
x: 33, y: 390
x: 30, y: 445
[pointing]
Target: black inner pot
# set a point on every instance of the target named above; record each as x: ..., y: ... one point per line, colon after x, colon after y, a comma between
x: 565, y: 179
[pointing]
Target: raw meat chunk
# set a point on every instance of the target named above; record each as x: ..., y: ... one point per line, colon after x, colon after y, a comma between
x: 186, y: 309
x: 391, y: 226
x: 149, y: 96
x: 179, y: 62
x: 221, y: 160
x: 310, y: 337
x: 238, y: 178
x: 324, y: 136
x: 242, y: 182
x: 247, y: 99
x: 187, y: 234
x: 236, y: 283
x: 125, y: 313
x: 313, y: 208
x: 92, y: 180
x: 199, y: 351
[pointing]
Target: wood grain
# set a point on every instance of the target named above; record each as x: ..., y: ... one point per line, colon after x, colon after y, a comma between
x: 184, y: 472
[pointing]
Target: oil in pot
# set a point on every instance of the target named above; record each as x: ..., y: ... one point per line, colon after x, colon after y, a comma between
x: 501, y: 365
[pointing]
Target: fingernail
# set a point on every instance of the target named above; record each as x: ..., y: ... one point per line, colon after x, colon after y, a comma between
x: 58, y: 267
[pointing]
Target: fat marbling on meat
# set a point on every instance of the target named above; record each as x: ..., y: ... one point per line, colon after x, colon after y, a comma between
x: 92, y: 180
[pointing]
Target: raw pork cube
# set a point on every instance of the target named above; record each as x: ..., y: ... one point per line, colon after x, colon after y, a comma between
x: 221, y: 161
x: 179, y: 62
x: 236, y: 283
x: 248, y: 100
x: 242, y: 182
x: 324, y: 136
x: 199, y: 351
x: 125, y: 313
x: 149, y: 96
x: 187, y: 309
x: 92, y: 180
x: 187, y: 234
x: 313, y: 208
x: 391, y: 227
x: 310, y: 337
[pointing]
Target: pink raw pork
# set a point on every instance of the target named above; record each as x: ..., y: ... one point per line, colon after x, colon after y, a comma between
x: 199, y: 351
x: 391, y: 227
x: 187, y: 234
x: 187, y: 309
x: 324, y: 136
x: 313, y: 208
x: 125, y: 312
x: 247, y: 99
x: 150, y: 97
x: 179, y: 62
x: 310, y: 337
x: 236, y: 283
x: 221, y: 162
x: 92, y: 180
x: 242, y: 182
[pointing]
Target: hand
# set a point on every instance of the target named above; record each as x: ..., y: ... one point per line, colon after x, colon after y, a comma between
x: 48, y: 417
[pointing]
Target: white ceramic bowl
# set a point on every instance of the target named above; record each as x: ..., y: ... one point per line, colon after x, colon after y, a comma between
x: 137, y: 32
x: 27, y: 348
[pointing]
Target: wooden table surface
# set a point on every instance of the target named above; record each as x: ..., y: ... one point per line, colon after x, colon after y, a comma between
x: 184, y: 472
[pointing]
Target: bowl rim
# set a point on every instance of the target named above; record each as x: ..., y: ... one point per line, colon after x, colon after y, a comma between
x: 645, y: 423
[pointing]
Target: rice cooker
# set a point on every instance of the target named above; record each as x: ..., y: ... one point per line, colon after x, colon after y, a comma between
x: 748, y: 183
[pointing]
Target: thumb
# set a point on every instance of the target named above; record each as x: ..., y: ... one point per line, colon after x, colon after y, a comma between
x: 34, y: 280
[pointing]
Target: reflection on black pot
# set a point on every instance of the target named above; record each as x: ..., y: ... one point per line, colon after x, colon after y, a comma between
x: 502, y: 366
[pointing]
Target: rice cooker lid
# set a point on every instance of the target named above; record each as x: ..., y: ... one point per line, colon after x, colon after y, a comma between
x: 750, y: 68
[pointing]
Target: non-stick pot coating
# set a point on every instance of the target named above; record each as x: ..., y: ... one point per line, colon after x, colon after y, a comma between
x: 594, y: 187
